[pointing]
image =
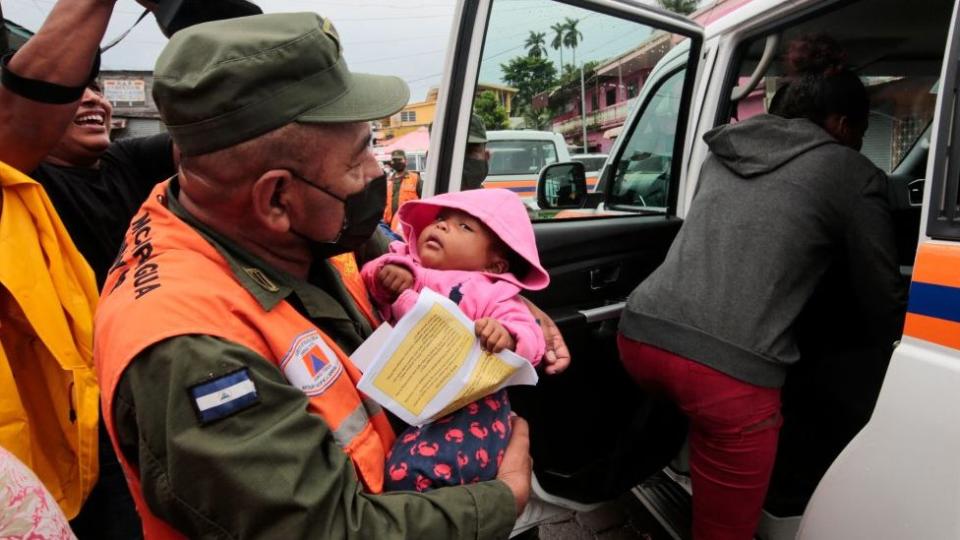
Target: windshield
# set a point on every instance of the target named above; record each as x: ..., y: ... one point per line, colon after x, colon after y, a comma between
x: 592, y: 163
x: 520, y: 157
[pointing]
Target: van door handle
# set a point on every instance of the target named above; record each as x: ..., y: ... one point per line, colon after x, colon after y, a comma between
x: 601, y: 278
x: 603, y: 313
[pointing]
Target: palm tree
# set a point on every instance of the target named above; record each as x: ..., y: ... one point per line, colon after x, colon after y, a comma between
x: 536, y: 44
x: 572, y: 36
x: 559, y: 30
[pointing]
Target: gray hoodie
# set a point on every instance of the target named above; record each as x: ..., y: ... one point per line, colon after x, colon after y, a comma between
x: 779, y: 201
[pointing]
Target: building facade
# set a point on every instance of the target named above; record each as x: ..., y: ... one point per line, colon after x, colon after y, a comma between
x: 420, y: 114
x: 131, y: 94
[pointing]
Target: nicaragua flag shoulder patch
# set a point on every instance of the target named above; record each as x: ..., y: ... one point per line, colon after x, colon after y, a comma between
x: 310, y: 364
x: 223, y: 396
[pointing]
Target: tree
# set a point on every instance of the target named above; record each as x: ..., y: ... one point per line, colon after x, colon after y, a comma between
x: 530, y: 75
x: 568, y: 84
x: 572, y: 36
x: 536, y: 44
x: 571, y: 76
x: 683, y: 7
x: 559, y: 29
x: 539, y: 119
x: 489, y: 110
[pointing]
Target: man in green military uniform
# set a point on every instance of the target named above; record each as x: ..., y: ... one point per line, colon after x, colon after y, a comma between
x: 255, y: 200
x: 402, y: 185
x: 477, y: 158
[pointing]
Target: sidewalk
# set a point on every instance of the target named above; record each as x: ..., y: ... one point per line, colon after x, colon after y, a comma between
x: 623, y: 519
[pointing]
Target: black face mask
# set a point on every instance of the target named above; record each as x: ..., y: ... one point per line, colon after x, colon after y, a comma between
x: 474, y: 173
x: 361, y: 214
x: 398, y: 166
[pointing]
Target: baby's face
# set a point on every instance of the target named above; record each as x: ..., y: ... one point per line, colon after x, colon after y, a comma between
x: 456, y: 241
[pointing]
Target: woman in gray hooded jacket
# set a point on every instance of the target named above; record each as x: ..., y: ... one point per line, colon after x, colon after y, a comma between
x: 781, y: 197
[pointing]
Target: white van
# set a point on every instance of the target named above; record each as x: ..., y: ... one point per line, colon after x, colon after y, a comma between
x: 877, y: 462
x: 517, y: 156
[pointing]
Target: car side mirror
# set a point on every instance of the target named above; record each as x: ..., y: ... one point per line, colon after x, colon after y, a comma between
x: 562, y: 185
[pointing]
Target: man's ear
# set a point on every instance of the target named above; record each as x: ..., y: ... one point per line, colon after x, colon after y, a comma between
x: 838, y: 126
x: 844, y: 127
x: 272, y: 198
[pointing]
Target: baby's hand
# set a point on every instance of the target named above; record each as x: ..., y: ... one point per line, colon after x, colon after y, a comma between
x: 493, y: 336
x: 395, y: 279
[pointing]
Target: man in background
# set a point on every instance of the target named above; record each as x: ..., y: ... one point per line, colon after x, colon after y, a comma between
x: 402, y: 186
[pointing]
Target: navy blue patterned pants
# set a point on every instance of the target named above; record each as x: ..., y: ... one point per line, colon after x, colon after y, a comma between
x: 463, y: 448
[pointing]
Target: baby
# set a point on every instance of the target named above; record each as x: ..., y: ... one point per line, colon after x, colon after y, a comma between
x: 477, y: 248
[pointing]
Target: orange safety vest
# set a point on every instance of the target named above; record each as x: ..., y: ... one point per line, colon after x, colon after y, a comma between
x: 346, y: 266
x: 169, y: 282
x: 408, y: 192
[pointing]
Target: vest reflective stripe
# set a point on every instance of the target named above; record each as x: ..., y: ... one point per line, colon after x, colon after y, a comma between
x: 351, y: 426
x: 373, y: 408
x: 169, y: 282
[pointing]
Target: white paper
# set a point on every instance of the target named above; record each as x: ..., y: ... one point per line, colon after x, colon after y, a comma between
x: 431, y: 364
x: 368, y: 350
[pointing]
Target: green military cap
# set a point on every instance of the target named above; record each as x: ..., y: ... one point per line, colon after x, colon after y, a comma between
x: 398, y: 154
x: 221, y: 83
x: 478, y: 132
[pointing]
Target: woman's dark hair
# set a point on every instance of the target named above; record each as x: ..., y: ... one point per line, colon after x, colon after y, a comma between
x: 820, y: 83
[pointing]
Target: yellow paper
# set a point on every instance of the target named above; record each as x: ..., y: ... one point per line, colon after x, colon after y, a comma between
x: 489, y: 372
x: 426, y: 360
x: 431, y: 363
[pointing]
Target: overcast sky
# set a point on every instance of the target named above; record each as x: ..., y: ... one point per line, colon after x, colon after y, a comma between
x: 407, y: 38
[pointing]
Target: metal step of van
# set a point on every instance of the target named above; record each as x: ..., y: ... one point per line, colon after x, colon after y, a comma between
x: 668, y: 503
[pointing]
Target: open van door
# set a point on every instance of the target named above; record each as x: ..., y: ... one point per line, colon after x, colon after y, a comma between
x: 593, y: 434
x: 898, y: 478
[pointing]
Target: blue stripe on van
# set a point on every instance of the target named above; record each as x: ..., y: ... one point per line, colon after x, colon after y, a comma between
x: 935, y: 301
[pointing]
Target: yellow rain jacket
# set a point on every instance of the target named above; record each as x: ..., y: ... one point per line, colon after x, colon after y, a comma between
x: 49, y: 401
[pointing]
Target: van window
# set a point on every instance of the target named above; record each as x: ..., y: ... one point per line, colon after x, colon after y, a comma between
x: 569, y: 73
x: 902, y: 99
x: 643, y: 171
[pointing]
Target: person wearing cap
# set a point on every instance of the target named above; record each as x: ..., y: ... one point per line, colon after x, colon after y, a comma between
x: 222, y: 333
x: 477, y: 158
x: 402, y: 186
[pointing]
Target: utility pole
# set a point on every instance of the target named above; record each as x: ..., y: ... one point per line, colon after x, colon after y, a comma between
x: 583, y: 110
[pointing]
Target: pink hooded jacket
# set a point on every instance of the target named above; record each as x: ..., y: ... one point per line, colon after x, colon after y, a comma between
x: 479, y: 294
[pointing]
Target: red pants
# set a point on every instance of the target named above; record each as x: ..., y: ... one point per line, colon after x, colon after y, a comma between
x: 733, y: 436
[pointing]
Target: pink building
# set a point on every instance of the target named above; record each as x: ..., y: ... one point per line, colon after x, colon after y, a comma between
x: 611, y: 90
x: 609, y: 93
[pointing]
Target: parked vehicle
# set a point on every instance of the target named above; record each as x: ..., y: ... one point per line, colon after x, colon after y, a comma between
x: 890, y: 451
x: 516, y: 158
x: 592, y: 164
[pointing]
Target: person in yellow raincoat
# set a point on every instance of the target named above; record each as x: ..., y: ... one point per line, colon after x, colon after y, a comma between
x: 49, y: 405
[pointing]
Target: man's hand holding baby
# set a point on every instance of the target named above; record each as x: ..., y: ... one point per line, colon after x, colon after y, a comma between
x: 493, y: 336
x: 395, y: 279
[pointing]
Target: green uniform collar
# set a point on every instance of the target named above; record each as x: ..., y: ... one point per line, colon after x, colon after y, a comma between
x: 268, y: 285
